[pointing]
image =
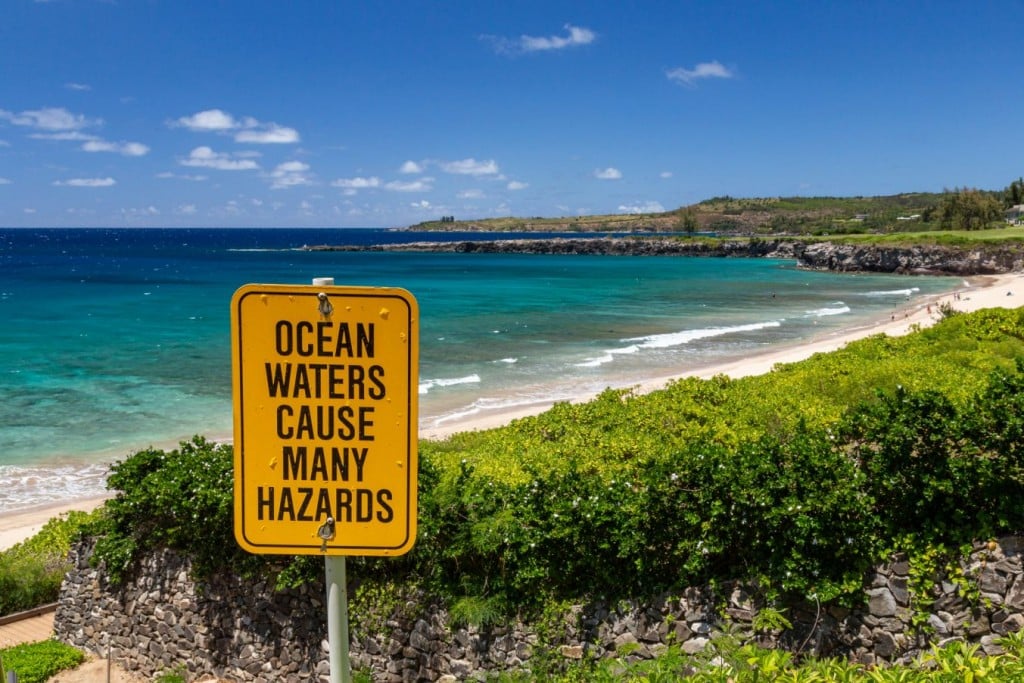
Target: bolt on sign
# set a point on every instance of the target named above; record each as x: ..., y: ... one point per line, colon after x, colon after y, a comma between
x: 325, y: 398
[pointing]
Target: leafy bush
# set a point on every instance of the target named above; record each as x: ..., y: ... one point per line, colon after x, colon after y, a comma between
x: 725, y: 661
x: 798, y: 480
x: 37, y: 662
x: 939, y: 474
x: 31, y: 571
x: 178, y: 499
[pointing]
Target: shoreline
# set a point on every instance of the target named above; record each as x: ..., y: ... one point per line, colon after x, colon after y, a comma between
x: 989, y: 291
x: 983, y: 291
x: 23, y: 524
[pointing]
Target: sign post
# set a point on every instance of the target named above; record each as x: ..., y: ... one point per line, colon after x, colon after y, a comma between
x: 325, y: 411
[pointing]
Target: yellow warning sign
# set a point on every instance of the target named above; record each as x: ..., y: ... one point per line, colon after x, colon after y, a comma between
x: 325, y: 410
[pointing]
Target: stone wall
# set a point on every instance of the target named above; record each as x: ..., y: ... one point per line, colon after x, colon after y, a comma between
x: 241, y: 630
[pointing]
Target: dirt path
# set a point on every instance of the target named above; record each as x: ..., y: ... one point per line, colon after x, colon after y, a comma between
x: 94, y: 670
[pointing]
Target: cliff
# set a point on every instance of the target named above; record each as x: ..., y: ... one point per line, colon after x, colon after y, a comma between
x: 919, y: 260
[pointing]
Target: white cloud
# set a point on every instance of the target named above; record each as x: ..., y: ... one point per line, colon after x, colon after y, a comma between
x: 73, y: 135
x: 4, y: 143
x: 209, y: 120
x: 646, y: 207
x: 608, y: 173
x: 470, y: 194
x: 575, y: 36
x: 516, y: 185
x: 290, y: 174
x: 134, y: 213
x: 422, y: 204
x: 411, y: 167
x: 356, y: 183
x: 77, y: 86
x: 271, y: 134
x: 470, y: 167
x: 665, y: 174
x: 29, y: 211
x: 247, y: 129
x: 49, y: 118
x: 5, y: 181
x: 702, y: 70
x: 204, y: 157
x: 128, y: 149
x: 182, y: 176
x: 86, y: 182
x: 186, y: 210
x: 421, y: 185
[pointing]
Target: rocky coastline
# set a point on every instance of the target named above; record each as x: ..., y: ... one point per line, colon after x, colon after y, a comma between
x: 917, y: 260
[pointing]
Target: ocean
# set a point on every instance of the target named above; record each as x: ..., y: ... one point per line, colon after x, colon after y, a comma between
x: 114, y: 340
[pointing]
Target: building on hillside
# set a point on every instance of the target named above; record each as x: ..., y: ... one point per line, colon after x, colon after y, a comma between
x: 1015, y: 215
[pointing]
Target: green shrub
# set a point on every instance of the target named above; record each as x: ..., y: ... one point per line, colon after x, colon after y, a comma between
x: 178, y: 499
x: 38, y: 662
x: 798, y: 481
x: 725, y: 661
x: 31, y: 571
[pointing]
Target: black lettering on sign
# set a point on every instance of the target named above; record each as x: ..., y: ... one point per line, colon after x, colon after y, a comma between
x: 309, y: 504
x: 299, y: 465
x: 323, y: 505
x: 265, y: 504
x: 320, y: 380
x: 385, y: 513
x: 324, y: 340
x: 287, y: 507
x: 307, y: 496
x: 321, y: 423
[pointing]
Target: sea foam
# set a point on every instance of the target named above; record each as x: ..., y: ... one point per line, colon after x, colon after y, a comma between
x: 672, y: 339
x: 838, y: 308
x: 428, y: 384
x: 24, y: 487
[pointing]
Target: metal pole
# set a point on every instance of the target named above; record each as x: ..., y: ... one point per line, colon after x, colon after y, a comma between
x: 337, y: 618
x: 337, y: 597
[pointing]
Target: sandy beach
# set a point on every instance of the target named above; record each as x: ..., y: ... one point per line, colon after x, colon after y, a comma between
x: 17, y: 526
x: 995, y: 291
x: 1002, y: 291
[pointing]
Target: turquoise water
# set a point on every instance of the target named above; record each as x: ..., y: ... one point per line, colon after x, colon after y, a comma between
x: 115, y: 340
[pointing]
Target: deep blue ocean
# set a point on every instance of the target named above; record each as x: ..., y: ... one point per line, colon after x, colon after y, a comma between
x: 113, y: 340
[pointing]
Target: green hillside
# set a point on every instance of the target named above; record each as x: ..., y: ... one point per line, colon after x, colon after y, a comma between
x: 907, y: 212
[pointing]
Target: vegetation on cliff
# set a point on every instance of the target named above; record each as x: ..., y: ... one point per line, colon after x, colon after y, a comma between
x: 798, y: 480
x: 955, y: 209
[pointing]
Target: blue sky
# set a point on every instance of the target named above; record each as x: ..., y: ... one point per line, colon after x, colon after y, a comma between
x: 384, y: 114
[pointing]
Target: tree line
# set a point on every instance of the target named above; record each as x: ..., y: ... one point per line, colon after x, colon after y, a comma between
x: 974, y: 209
